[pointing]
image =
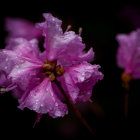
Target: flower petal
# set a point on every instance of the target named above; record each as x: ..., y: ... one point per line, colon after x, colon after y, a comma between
x: 81, y: 77
x: 70, y: 47
x: 20, y: 64
x: 59, y: 46
x: 50, y: 27
x: 128, y: 56
x: 42, y: 99
x: 24, y: 47
x: 21, y: 28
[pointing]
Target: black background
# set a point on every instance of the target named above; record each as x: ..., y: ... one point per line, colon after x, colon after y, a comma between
x: 101, y: 22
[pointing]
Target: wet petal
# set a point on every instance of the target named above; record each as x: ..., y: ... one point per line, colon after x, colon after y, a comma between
x: 24, y: 47
x: 59, y: 46
x: 82, y: 78
x: 20, y: 63
x: 42, y: 99
x: 70, y: 47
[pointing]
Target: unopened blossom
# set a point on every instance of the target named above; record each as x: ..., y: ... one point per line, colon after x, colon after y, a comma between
x: 34, y: 72
x: 128, y: 55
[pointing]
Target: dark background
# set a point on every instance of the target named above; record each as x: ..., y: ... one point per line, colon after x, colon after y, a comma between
x: 101, y: 22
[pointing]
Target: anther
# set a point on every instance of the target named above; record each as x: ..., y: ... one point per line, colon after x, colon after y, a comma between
x: 59, y: 70
x: 68, y: 28
x: 50, y: 65
x: 52, y: 77
x: 2, y: 90
x: 80, y: 31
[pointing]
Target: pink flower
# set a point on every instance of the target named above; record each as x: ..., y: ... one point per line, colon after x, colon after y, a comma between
x: 34, y: 72
x: 21, y: 28
x: 128, y: 55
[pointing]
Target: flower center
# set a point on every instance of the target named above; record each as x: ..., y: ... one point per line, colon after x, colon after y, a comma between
x: 52, y: 70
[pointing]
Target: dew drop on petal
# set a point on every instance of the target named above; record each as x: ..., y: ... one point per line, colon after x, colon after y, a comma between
x: 57, y: 113
x: 5, y: 67
x: 51, y: 93
x: 56, y: 104
x: 83, y: 74
x: 7, y: 59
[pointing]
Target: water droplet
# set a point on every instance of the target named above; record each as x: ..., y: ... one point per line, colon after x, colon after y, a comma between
x: 56, y: 104
x: 53, y: 19
x: 50, y: 108
x: 83, y: 74
x: 88, y: 92
x: 57, y: 113
x: 6, y: 67
x: 53, y: 98
x: 51, y: 93
x: 7, y: 59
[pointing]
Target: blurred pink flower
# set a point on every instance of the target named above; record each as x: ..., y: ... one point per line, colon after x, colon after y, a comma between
x: 128, y: 55
x: 21, y: 28
x: 34, y: 72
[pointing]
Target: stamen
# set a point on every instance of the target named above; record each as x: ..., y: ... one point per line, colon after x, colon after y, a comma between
x: 52, y: 77
x: 2, y: 90
x: 80, y: 30
x: 68, y: 28
x: 59, y: 70
x: 48, y: 65
x: 90, y: 101
x: 6, y: 89
x: 50, y: 70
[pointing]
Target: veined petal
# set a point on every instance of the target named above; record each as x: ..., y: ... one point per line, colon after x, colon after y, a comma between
x: 42, y: 99
x: 20, y: 63
x: 83, y: 77
x: 24, y: 48
x: 68, y: 49
x: 50, y: 27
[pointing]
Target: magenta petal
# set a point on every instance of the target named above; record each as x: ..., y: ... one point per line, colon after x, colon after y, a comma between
x: 42, y: 99
x: 125, y: 50
x: 5, y: 83
x: 81, y: 77
x: 50, y: 27
x: 59, y: 46
x: 70, y: 47
x: 128, y: 55
x: 20, y: 64
x: 69, y: 86
x: 24, y: 47
x: 3, y: 80
x: 21, y: 28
